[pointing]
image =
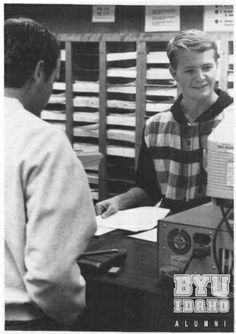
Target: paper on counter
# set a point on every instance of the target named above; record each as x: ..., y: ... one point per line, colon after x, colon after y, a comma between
x: 103, y: 230
x: 150, y: 235
x: 137, y: 219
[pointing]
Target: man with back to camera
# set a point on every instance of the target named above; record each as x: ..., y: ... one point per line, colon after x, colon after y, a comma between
x: 171, y: 166
x: 49, y: 214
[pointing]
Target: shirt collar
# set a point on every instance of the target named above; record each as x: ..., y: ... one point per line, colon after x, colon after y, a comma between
x: 223, y: 101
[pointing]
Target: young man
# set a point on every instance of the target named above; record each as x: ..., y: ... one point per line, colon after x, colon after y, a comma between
x: 49, y: 214
x: 172, y: 156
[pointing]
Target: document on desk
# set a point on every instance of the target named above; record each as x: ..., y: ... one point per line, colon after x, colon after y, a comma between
x: 103, y: 230
x: 150, y: 235
x: 137, y: 219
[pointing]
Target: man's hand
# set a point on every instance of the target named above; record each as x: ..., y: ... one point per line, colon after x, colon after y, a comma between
x: 131, y: 199
x: 107, y: 207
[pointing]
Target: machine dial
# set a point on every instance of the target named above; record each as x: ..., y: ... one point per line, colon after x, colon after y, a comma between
x: 179, y: 241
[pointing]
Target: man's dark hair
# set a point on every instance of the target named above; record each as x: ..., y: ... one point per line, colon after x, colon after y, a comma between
x: 25, y: 43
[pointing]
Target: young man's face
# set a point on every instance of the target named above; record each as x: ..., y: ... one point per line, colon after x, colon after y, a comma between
x: 196, y: 74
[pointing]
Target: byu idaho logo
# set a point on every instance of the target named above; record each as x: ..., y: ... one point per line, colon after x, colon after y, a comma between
x: 189, y: 300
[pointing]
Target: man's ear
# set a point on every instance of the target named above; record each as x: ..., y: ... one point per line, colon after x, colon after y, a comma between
x: 173, y: 72
x: 39, y: 75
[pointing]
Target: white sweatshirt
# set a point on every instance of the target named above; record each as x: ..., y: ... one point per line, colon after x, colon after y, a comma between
x: 49, y: 219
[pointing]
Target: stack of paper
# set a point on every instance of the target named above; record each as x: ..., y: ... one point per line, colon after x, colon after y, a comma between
x: 85, y: 147
x: 120, y: 151
x: 157, y: 107
x: 54, y: 115
x: 121, y: 104
x: 125, y: 89
x: 117, y: 119
x: 86, y: 131
x: 159, y: 73
x: 80, y: 116
x: 86, y: 101
x: 86, y: 86
x: 117, y: 56
x: 164, y: 91
x: 126, y: 72
x: 157, y: 57
x: 123, y: 135
x: 58, y: 98
x: 58, y: 85
x: 137, y: 219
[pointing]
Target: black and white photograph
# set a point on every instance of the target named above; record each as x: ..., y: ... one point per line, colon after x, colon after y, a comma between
x: 118, y: 180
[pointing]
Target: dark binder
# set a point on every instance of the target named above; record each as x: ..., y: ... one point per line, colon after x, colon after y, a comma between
x: 101, y: 263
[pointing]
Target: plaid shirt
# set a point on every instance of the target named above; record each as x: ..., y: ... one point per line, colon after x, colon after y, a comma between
x: 177, y: 150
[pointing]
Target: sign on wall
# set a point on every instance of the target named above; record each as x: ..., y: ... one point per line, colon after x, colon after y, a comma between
x: 218, y: 18
x: 162, y: 18
x: 103, y: 14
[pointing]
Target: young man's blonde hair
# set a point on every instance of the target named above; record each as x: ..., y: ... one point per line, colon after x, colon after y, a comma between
x: 192, y: 40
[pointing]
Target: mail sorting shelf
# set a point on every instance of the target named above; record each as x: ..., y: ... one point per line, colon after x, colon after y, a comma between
x: 113, y: 83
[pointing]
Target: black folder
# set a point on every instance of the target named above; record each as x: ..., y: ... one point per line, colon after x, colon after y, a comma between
x: 101, y: 263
